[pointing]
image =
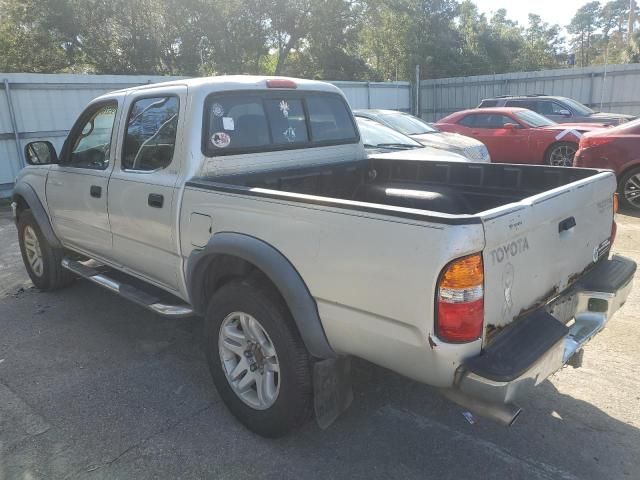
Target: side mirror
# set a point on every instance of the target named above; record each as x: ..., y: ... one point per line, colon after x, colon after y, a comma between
x: 565, y: 113
x: 40, y: 153
x: 511, y: 126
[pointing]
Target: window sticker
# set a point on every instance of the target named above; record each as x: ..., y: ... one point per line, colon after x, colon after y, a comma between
x: 217, y: 109
x: 290, y: 134
x: 284, y: 108
x: 228, y: 123
x: 220, y: 140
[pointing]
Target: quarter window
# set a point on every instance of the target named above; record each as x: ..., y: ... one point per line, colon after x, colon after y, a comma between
x: 91, y: 146
x: 151, y: 134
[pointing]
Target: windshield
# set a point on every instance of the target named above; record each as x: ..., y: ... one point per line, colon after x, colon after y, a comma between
x: 533, y: 119
x: 577, y: 107
x: 376, y: 135
x: 407, y: 124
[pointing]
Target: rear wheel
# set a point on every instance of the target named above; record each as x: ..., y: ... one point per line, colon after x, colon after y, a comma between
x: 257, y: 359
x: 561, y: 154
x: 629, y: 189
x: 42, y: 261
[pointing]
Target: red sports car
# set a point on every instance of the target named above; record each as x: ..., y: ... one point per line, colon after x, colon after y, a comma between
x: 518, y: 135
x: 617, y: 148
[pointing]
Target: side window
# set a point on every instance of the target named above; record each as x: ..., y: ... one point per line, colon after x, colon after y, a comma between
x: 469, y: 120
x: 151, y: 133
x: 488, y: 103
x: 528, y: 104
x: 330, y: 119
x: 558, y: 109
x: 489, y: 121
x: 91, y: 145
x: 287, y: 121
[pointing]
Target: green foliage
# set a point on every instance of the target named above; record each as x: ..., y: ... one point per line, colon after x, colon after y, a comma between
x: 330, y: 39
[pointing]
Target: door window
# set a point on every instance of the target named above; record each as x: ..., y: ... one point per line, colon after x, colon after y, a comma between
x: 551, y: 108
x: 91, y: 140
x: 151, y: 134
x: 486, y: 121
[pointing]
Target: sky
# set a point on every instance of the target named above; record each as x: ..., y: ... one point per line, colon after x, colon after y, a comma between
x: 551, y: 11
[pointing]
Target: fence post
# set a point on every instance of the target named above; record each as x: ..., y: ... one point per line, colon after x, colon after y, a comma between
x: 417, y: 112
x: 368, y: 94
x: 14, y: 126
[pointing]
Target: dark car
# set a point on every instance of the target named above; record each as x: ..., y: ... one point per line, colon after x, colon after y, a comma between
x: 618, y: 149
x: 558, y: 109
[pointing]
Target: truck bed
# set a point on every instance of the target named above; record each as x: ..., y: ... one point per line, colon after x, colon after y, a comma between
x: 450, y: 188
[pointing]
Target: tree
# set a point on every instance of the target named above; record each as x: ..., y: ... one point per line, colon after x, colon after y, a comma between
x: 583, y: 26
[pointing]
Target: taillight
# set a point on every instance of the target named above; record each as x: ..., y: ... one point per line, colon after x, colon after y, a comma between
x: 590, y: 142
x: 460, y: 300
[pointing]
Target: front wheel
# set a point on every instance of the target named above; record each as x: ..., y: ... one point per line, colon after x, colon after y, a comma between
x: 257, y: 359
x: 629, y: 189
x: 561, y: 154
x: 42, y: 261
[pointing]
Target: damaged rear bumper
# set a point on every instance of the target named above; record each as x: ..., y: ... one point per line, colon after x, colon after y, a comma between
x: 542, y: 341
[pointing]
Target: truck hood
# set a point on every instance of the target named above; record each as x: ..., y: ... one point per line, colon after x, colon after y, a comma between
x: 425, y: 153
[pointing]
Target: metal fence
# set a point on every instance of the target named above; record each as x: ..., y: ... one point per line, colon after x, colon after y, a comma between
x: 44, y: 107
x: 615, y: 88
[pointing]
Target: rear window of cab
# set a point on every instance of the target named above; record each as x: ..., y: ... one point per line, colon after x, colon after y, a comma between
x: 261, y: 121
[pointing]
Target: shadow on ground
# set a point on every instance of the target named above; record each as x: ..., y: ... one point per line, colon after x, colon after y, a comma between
x: 94, y: 387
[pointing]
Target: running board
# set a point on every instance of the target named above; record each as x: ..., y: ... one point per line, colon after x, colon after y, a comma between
x: 127, y: 291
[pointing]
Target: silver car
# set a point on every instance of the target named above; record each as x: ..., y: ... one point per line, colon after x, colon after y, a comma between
x: 381, y: 141
x: 428, y: 135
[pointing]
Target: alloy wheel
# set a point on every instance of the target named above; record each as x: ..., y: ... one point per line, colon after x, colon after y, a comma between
x: 562, y: 156
x: 249, y: 360
x: 632, y: 190
x: 33, y: 251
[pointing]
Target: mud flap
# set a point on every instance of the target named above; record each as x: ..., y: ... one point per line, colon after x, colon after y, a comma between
x: 332, y: 392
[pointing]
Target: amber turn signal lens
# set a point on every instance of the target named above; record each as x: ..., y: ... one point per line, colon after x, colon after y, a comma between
x: 615, y: 203
x: 465, y: 272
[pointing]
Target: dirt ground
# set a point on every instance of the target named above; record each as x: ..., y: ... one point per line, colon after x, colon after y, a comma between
x: 92, y: 386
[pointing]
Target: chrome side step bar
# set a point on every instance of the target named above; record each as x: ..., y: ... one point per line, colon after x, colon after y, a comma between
x: 86, y: 270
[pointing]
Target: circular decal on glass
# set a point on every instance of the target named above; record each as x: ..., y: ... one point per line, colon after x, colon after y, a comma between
x: 217, y: 109
x: 220, y: 140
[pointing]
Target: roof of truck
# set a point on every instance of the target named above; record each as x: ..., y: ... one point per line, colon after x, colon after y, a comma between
x: 235, y: 82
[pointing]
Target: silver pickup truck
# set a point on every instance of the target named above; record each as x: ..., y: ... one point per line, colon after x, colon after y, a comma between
x: 250, y: 201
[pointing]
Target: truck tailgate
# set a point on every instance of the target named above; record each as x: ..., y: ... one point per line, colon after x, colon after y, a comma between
x: 540, y: 245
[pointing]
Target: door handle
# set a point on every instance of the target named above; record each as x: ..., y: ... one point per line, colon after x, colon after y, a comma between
x: 155, y: 200
x: 566, y: 224
x: 95, y: 191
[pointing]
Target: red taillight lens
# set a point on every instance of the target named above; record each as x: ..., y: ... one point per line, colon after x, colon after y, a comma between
x: 460, y: 300
x: 590, y: 142
x: 281, y: 83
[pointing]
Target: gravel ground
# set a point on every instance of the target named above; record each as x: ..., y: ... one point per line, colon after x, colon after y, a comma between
x: 92, y: 386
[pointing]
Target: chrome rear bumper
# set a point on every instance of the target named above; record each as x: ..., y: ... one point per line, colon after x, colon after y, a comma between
x: 544, y: 342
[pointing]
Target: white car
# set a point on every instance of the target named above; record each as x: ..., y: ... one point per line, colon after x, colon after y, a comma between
x: 427, y: 134
x: 251, y: 201
x: 381, y: 141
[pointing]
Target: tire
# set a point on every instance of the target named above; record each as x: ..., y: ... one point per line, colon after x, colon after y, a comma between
x: 629, y: 189
x: 42, y: 261
x: 268, y: 415
x: 561, y: 154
